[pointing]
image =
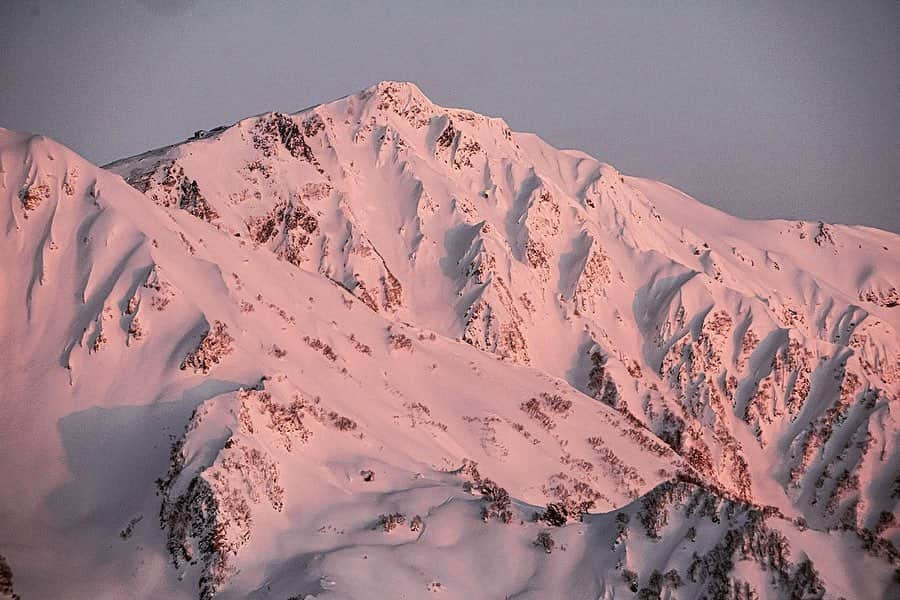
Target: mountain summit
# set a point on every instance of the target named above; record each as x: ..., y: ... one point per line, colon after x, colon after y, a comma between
x: 380, y: 342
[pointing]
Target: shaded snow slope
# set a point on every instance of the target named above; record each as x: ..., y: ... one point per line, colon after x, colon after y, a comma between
x: 364, y: 344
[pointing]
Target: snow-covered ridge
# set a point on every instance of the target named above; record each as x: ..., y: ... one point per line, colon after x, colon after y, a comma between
x: 445, y: 218
x: 272, y: 371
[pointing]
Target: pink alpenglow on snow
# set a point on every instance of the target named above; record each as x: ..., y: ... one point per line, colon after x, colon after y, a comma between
x: 385, y: 345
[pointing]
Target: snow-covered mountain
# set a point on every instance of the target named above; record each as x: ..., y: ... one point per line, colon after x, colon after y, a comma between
x: 382, y: 348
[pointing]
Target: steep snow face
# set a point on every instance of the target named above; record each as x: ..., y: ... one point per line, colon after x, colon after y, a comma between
x: 161, y: 371
x: 731, y: 340
x: 365, y: 344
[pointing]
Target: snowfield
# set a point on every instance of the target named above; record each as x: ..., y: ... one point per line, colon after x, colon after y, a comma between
x: 385, y: 349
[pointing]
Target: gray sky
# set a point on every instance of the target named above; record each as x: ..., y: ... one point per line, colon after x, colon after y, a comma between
x: 764, y: 109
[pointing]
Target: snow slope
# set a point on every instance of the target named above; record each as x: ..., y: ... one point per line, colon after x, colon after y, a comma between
x: 249, y: 375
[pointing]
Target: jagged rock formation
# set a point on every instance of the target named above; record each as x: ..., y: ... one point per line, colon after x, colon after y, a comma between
x: 282, y: 339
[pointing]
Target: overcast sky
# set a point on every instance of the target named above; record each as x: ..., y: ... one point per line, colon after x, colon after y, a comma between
x: 764, y: 109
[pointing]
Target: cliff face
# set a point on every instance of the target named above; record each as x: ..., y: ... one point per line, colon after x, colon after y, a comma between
x: 370, y: 341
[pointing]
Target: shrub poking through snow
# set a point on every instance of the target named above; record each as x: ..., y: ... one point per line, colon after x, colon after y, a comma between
x: 68, y: 184
x: 135, y: 329
x: 286, y: 419
x: 132, y: 307
x: 600, y: 383
x: 664, y: 582
x: 341, y: 422
x: 469, y: 468
x: 532, y: 408
x: 416, y: 523
x: 99, y: 342
x: 497, y: 503
x: 544, y: 541
x: 393, y: 291
x: 400, y: 341
x: 363, y: 348
x: 34, y: 195
x: 325, y: 349
x: 556, y: 403
x: 215, y: 345
x: 390, y: 522
x: 6, y: 581
x: 129, y: 528
x: 622, y: 520
x: 555, y: 515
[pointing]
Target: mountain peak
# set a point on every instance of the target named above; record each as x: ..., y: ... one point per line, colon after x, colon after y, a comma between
x: 406, y: 99
x: 388, y: 86
x: 401, y: 98
x: 395, y: 96
x: 381, y: 324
